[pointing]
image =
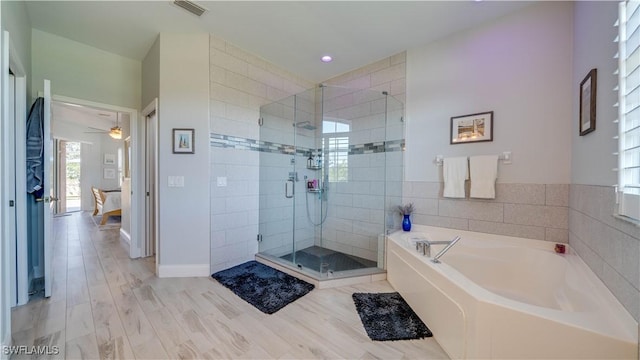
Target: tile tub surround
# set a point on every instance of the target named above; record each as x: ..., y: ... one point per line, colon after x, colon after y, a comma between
x: 610, y: 246
x: 534, y: 211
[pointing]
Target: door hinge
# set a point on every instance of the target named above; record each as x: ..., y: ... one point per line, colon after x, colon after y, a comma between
x: 11, y: 203
x: 259, y: 238
x: 260, y: 121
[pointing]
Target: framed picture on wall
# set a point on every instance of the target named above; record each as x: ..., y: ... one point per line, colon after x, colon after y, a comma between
x: 183, y: 141
x: 588, y: 103
x: 109, y: 159
x: 472, y: 128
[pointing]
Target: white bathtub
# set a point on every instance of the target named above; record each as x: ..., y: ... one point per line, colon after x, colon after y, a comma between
x: 504, y: 297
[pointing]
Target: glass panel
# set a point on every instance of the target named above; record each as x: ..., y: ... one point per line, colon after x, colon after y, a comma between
x: 309, y: 168
x: 394, y: 150
x: 342, y: 151
x: 276, y: 208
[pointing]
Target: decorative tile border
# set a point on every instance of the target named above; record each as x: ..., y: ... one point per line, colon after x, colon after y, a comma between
x: 377, y: 147
x: 239, y: 143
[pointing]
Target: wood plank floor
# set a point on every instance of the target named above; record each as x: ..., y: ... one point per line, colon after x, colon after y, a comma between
x: 105, y: 305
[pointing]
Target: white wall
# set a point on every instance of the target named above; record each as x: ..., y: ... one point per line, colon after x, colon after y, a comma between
x: 16, y: 20
x: 151, y: 74
x: 84, y: 72
x: 593, y: 158
x: 518, y: 66
x: 184, y: 212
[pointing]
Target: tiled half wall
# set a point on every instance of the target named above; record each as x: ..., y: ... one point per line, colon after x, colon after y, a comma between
x: 534, y: 211
x: 609, y: 245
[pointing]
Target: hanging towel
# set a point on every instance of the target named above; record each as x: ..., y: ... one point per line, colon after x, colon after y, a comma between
x: 484, y: 171
x: 35, y: 147
x: 455, y: 171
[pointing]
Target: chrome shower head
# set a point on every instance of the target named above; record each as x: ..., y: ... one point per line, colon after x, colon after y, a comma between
x: 305, y: 125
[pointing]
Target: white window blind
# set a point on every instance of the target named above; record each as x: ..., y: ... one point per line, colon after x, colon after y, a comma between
x: 629, y: 109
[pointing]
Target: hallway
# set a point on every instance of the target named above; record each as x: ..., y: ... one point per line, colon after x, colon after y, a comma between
x: 105, y: 305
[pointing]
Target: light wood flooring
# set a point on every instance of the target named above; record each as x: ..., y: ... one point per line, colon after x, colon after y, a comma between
x: 105, y: 305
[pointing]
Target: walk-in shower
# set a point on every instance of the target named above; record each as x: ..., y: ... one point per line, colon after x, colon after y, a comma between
x: 330, y: 179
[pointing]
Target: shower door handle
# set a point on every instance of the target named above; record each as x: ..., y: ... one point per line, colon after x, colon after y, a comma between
x: 288, y: 194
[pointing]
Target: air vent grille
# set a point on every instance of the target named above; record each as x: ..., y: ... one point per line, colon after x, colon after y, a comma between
x: 190, y: 7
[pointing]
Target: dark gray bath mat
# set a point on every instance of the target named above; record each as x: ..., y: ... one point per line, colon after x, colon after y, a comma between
x: 266, y: 288
x: 386, y: 316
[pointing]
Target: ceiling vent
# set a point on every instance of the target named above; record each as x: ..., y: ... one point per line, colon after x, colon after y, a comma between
x: 190, y: 7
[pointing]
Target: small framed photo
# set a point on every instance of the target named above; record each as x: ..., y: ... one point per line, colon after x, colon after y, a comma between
x: 109, y: 173
x: 472, y: 128
x: 109, y: 159
x: 588, y: 103
x: 183, y: 141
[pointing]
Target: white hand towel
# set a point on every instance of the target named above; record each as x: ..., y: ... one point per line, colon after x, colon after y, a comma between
x: 484, y: 171
x: 455, y: 171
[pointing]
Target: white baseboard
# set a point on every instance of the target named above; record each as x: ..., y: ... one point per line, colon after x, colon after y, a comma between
x: 198, y: 270
x: 125, y: 235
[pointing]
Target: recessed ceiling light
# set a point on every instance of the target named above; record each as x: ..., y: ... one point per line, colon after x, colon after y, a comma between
x: 326, y: 59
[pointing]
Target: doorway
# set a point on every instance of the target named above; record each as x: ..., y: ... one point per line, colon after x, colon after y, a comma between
x: 90, y: 150
x: 68, y: 173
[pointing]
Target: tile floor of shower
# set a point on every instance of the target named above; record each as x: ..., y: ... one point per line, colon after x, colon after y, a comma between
x: 325, y: 264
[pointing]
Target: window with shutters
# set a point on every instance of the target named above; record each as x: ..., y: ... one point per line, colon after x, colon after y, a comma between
x: 629, y: 109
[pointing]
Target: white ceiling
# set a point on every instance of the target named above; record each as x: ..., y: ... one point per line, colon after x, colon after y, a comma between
x: 83, y: 115
x: 291, y: 34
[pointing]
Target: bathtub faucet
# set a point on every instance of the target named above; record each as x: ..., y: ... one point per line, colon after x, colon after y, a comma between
x: 443, y: 251
x: 425, y: 246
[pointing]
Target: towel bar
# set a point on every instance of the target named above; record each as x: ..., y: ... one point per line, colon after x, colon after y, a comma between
x: 505, y: 157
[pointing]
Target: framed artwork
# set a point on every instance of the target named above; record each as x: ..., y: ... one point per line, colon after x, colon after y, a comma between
x: 109, y: 159
x: 183, y: 141
x: 472, y: 128
x: 109, y: 173
x: 588, y: 103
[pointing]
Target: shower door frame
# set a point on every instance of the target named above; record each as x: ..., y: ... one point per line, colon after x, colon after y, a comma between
x: 294, y: 154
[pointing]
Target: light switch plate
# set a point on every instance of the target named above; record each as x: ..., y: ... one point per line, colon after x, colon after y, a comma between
x: 222, y: 181
x: 176, y: 181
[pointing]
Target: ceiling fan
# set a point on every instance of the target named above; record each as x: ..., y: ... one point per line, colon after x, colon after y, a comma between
x: 115, y: 132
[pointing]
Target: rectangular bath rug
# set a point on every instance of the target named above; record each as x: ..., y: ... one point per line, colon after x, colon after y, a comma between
x: 266, y: 288
x: 386, y: 316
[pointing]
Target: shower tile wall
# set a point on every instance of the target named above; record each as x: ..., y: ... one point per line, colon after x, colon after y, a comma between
x: 356, y: 204
x: 240, y: 84
x: 356, y: 208
x: 610, y: 246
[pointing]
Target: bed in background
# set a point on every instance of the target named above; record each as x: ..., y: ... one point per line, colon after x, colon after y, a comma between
x: 107, y: 203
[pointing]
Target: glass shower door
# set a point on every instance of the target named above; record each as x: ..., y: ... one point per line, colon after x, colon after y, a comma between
x: 277, y: 179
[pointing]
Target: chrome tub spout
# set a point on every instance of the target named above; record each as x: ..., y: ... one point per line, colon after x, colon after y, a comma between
x: 443, y: 251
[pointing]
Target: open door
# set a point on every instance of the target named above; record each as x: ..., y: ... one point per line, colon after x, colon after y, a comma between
x: 49, y: 198
x: 151, y: 146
